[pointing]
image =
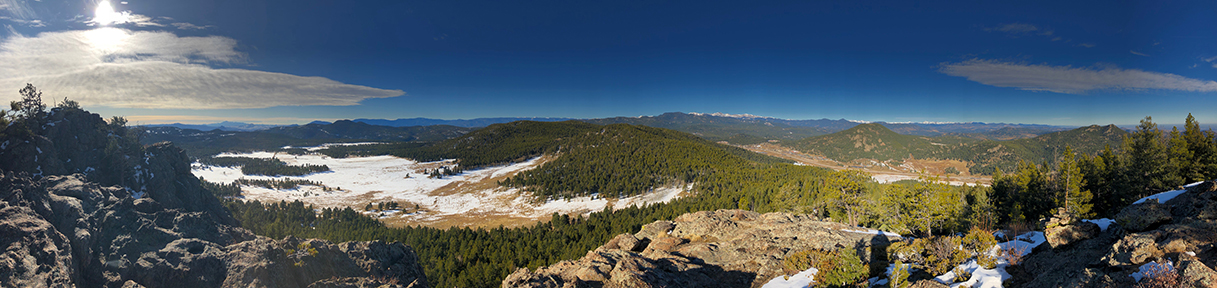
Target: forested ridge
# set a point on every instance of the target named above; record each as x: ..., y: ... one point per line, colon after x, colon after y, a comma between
x: 876, y: 141
x: 616, y: 160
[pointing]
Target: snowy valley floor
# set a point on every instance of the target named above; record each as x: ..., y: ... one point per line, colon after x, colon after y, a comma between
x: 472, y: 198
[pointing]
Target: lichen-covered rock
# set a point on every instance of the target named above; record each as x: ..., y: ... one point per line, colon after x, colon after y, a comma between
x: 1134, y: 249
x: 724, y: 248
x: 1063, y: 229
x: 1195, y: 273
x: 1144, y: 216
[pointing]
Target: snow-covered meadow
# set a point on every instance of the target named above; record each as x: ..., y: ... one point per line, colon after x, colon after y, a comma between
x: 469, y: 196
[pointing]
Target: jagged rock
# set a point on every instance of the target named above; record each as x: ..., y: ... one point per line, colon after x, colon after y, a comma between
x: 624, y: 242
x: 293, y: 262
x: 1134, y: 249
x: 1195, y: 273
x: 1144, y: 216
x: 655, y: 230
x: 1063, y: 229
x: 724, y: 248
x: 35, y: 255
x: 83, y: 204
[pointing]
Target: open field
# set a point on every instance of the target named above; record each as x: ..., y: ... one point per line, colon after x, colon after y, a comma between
x: 882, y: 172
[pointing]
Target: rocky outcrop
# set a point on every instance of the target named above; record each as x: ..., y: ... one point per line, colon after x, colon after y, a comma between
x: 73, y: 213
x: 724, y: 248
x: 1144, y: 216
x: 1177, y: 231
x: 1063, y: 229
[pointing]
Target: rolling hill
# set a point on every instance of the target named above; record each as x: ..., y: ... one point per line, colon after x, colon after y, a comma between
x: 615, y: 159
x: 721, y: 128
x: 875, y: 141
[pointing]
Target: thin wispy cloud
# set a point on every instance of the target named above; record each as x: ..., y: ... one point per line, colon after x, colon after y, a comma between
x: 117, y: 67
x: 1134, y: 52
x: 1017, y: 28
x: 188, y: 26
x: 1070, y: 80
x: 1211, y: 60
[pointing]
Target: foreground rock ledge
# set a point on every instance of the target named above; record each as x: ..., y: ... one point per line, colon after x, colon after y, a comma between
x: 61, y: 231
x: 724, y: 248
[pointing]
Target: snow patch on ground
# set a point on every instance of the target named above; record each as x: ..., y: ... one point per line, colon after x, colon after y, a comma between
x: 873, y: 231
x: 799, y: 280
x: 891, y: 178
x: 1103, y: 223
x: 356, y: 181
x: 659, y: 195
x: 992, y: 278
x: 1168, y: 195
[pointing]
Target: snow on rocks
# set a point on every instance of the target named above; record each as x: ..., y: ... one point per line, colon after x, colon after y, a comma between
x: 1168, y: 195
x: 799, y: 280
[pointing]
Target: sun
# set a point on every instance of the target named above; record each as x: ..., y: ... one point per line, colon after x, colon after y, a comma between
x: 105, y: 14
x: 107, y: 39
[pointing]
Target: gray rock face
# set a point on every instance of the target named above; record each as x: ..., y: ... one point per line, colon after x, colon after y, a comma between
x: 1144, y: 216
x: 724, y: 248
x: 1176, y: 231
x: 63, y: 231
x: 82, y: 203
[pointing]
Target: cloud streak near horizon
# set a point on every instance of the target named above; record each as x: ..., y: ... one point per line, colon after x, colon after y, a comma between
x: 1070, y: 80
x: 115, y: 67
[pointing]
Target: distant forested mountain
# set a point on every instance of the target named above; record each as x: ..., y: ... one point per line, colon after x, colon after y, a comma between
x: 722, y: 128
x: 222, y: 126
x: 875, y: 141
x: 205, y: 143
x: 470, y: 123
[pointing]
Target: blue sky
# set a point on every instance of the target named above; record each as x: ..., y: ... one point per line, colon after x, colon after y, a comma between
x: 1075, y: 63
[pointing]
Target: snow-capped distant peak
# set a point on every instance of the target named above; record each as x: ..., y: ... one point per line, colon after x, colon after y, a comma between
x: 741, y: 116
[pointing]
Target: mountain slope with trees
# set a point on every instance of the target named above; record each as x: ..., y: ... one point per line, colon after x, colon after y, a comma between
x: 874, y: 141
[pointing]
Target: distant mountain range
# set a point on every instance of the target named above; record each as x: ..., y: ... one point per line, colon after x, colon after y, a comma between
x: 222, y: 126
x: 470, y: 123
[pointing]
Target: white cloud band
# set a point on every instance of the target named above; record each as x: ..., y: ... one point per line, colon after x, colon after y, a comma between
x: 121, y: 68
x: 1071, y: 80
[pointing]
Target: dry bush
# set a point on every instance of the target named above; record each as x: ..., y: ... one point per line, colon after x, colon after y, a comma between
x: 1013, y: 254
x: 1016, y: 228
x: 1161, y: 276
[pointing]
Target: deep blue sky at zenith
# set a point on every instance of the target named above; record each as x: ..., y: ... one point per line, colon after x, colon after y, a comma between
x: 1074, y: 63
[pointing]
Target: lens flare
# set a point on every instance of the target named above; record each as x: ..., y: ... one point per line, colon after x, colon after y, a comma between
x: 105, y: 14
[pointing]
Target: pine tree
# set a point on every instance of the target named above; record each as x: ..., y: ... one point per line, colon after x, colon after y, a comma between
x: 1147, y: 160
x: 1071, y: 181
x: 1203, y: 149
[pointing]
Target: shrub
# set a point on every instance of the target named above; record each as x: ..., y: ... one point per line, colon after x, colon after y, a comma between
x: 1013, y: 254
x: 900, y: 275
x: 1161, y: 276
x: 834, y: 268
x: 977, y: 243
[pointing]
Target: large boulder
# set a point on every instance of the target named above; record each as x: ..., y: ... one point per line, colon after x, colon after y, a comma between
x: 1063, y: 229
x: 1144, y: 216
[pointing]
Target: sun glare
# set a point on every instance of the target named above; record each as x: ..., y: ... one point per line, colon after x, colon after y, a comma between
x: 105, y: 14
x: 106, y: 40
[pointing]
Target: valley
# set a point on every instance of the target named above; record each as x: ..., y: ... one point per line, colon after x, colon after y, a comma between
x: 882, y: 172
x: 472, y: 198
